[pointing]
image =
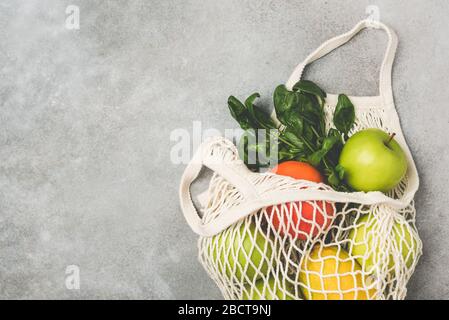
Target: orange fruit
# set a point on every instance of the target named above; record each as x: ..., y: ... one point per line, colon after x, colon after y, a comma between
x: 298, y: 171
x: 301, y: 219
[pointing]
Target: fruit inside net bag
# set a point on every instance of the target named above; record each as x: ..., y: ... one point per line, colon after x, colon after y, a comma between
x: 267, y: 236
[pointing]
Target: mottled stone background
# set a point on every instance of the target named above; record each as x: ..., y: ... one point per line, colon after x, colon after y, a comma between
x: 86, y: 116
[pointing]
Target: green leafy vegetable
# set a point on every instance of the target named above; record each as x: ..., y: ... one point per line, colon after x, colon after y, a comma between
x: 326, y: 146
x: 284, y: 102
x: 239, y: 113
x: 303, y: 135
x: 310, y: 87
x: 344, y: 115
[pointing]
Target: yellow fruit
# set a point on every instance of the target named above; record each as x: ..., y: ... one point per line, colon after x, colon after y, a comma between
x: 329, y: 273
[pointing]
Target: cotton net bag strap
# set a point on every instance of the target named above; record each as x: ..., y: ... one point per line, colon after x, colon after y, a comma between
x: 386, y: 100
x: 333, y: 43
x: 221, y: 156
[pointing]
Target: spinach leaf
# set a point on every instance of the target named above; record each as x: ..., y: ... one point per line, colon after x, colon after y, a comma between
x: 344, y: 115
x: 309, y: 109
x: 239, y: 113
x: 258, y: 116
x: 340, y: 171
x: 249, y: 104
x: 332, y: 178
x: 248, y: 115
x: 293, y: 139
x: 294, y: 121
x: 284, y: 101
x: 309, y: 87
x: 313, y: 116
x: 327, y: 145
x: 243, y: 151
x: 255, y: 150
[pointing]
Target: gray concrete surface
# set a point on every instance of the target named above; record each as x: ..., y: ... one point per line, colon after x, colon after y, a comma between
x: 86, y: 116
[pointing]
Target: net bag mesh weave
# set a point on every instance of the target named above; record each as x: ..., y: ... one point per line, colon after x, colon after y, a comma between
x: 274, y: 237
x: 306, y: 249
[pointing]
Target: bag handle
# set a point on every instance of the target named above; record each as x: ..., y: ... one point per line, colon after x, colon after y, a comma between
x: 385, y: 88
x: 237, y: 174
x: 234, y: 171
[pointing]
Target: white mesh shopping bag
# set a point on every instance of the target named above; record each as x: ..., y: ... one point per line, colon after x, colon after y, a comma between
x: 265, y: 236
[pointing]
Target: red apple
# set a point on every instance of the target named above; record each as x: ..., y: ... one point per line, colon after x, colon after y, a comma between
x: 302, y: 219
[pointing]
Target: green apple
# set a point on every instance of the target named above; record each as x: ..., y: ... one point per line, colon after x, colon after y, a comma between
x: 362, y: 245
x: 245, y: 253
x: 269, y: 291
x: 373, y: 161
